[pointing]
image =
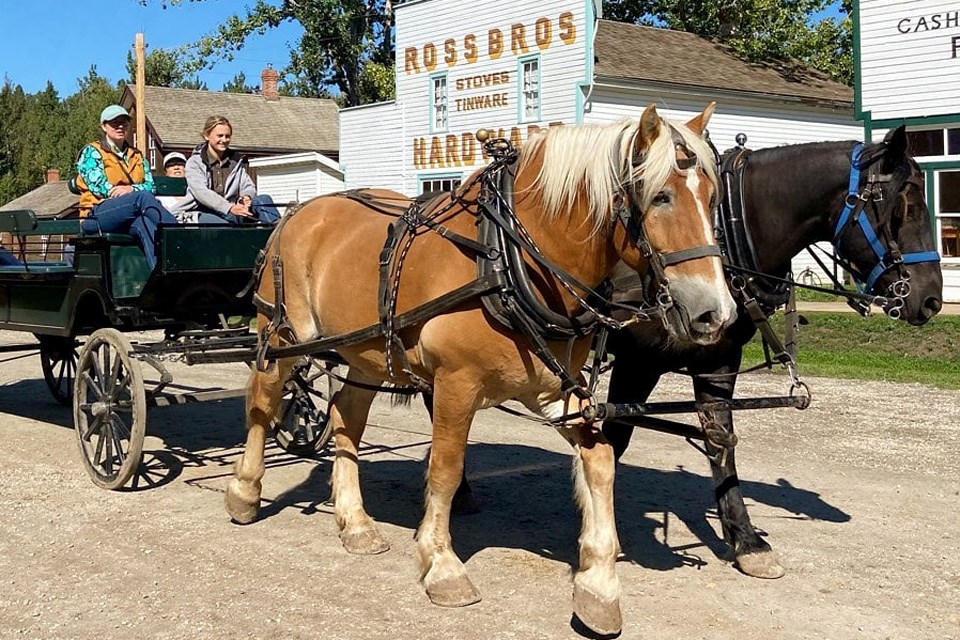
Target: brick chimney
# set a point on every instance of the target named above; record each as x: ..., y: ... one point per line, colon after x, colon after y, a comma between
x: 268, y: 83
x: 53, y: 175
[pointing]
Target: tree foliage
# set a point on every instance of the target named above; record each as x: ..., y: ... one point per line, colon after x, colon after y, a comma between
x: 40, y: 131
x: 238, y: 84
x: 343, y: 50
x: 758, y: 30
x: 164, y: 68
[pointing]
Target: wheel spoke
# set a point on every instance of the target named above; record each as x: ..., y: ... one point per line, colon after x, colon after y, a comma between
x: 120, y: 427
x: 121, y: 386
x: 115, y: 373
x: 98, y: 452
x: 92, y: 385
x: 117, y: 433
x: 93, y: 426
x: 98, y: 371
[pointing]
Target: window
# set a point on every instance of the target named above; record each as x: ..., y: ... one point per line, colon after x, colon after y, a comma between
x: 948, y: 212
x: 438, y: 103
x: 925, y: 143
x: 933, y: 142
x: 439, y: 185
x: 530, y: 90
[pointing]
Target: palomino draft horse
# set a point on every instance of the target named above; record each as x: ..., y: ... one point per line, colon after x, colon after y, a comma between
x: 586, y: 197
x: 792, y: 196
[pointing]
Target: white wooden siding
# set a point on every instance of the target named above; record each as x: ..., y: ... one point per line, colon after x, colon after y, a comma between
x: 909, y: 74
x: 292, y: 182
x: 371, y: 146
x: 770, y: 126
x: 562, y: 67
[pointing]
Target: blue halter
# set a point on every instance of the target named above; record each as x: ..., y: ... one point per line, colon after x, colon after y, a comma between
x: 854, y: 208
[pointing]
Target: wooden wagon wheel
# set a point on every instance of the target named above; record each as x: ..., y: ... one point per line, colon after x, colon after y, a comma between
x: 109, y: 409
x: 303, y: 427
x: 58, y: 359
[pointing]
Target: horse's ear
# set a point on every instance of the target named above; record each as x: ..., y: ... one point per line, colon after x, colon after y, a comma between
x: 896, y: 142
x: 699, y: 123
x: 649, y: 128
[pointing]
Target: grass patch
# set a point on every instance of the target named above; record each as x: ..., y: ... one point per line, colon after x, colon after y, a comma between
x: 844, y: 345
x: 805, y: 295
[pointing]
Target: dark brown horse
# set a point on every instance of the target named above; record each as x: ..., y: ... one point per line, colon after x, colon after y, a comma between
x: 568, y: 184
x: 794, y: 196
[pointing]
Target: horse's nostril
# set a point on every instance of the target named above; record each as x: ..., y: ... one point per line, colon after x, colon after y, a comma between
x: 933, y: 304
x: 707, y: 322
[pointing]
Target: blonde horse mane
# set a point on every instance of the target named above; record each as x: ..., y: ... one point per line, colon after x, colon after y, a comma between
x: 597, y: 160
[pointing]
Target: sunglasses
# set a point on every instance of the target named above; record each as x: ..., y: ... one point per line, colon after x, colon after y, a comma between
x: 119, y: 123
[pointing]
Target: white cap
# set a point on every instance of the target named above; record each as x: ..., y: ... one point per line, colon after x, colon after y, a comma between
x: 170, y: 157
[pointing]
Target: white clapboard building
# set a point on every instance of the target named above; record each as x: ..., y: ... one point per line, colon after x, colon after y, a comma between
x: 515, y: 66
x: 908, y: 72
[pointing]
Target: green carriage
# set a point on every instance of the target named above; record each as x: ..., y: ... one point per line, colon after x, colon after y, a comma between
x: 80, y: 307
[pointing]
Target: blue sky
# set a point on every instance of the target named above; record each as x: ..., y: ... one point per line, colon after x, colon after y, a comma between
x: 58, y: 40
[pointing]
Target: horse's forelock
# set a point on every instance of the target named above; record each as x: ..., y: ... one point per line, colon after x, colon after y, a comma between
x: 660, y: 162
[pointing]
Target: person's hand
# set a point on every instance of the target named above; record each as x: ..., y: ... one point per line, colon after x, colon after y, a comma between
x: 120, y: 190
x: 245, y: 200
x: 241, y: 210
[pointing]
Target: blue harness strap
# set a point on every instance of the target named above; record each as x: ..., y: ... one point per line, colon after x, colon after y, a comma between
x: 853, y: 191
x: 885, y: 258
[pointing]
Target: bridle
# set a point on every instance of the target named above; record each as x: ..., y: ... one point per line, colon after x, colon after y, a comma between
x: 629, y: 214
x: 865, y: 195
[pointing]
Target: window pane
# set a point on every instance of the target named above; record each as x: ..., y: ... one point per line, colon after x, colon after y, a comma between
x: 953, y: 142
x: 950, y: 237
x: 949, y: 191
x: 925, y: 143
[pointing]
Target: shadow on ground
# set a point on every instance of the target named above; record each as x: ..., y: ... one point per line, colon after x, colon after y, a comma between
x: 525, y: 496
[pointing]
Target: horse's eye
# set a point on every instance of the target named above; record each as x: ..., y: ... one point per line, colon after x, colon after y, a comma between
x: 661, y: 198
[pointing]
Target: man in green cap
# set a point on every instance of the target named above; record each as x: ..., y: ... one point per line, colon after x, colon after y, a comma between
x: 116, y: 186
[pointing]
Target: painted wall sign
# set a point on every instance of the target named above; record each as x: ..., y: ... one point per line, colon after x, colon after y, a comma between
x: 518, y: 39
x: 463, y: 150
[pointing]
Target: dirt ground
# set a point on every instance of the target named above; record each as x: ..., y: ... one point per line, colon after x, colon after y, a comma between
x: 858, y: 495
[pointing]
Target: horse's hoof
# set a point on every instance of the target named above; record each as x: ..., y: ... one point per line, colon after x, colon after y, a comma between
x: 600, y: 616
x: 760, y: 564
x: 242, y: 501
x: 453, y: 592
x: 368, y: 542
x: 464, y: 504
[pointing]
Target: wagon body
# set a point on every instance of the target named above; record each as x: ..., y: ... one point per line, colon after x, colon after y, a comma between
x: 103, y: 288
x: 200, y: 271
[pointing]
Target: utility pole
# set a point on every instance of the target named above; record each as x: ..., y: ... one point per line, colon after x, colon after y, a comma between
x: 141, y: 138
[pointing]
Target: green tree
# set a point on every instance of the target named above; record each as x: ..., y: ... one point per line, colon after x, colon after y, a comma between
x: 163, y: 68
x: 238, y: 84
x: 758, y: 30
x: 341, y: 39
x: 13, y: 104
x: 83, y: 112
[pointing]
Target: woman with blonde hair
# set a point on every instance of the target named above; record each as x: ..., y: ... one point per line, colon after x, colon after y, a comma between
x: 219, y: 188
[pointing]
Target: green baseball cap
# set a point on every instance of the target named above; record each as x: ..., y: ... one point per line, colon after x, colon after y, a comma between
x: 112, y: 112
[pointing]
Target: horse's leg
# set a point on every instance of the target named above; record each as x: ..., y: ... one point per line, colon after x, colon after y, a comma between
x: 752, y: 553
x: 443, y: 574
x: 349, y: 410
x: 463, y: 502
x: 631, y: 380
x: 264, y: 393
x: 596, y: 587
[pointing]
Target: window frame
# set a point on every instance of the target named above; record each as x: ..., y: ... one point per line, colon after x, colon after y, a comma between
x: 522, y: 62
x: 434, y: 79
x: 456, y: 180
